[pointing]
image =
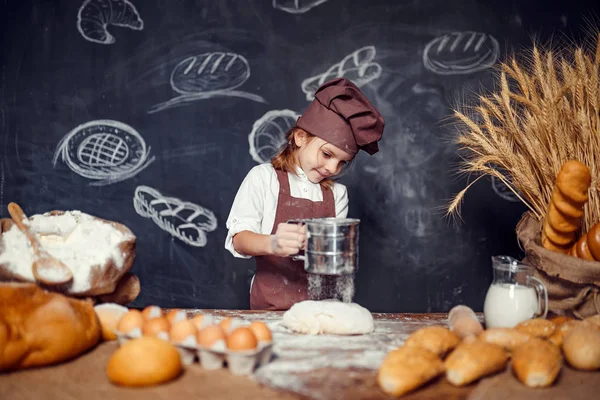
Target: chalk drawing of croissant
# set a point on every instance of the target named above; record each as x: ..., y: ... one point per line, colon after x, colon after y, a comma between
x: 208, y: 75
x: 357, y: 67
x: 268, y: 134
x: 184, y: 220
x: 94, y: 16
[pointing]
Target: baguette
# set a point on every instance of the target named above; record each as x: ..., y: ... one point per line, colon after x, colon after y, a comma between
x: 563, y: 216
x: 536, y: 363
x: 474, y: 360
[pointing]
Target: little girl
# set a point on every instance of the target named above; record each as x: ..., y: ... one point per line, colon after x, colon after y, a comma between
x: 296, y: 185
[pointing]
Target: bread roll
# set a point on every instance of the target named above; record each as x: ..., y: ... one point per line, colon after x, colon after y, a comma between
x: 472, y: 361
x: 437, y: 339
x: 536, y: 363
x: 561, y: 331
x: 581, y: 347
x: 408, y: 368
x: 563, y: 215
x: 593, y: 320
x: 593, y: 241
x: 537, y: 327
x: 507, y: 338
x: 463, y: 321
x: 581, y: 249
x: 39, y: 328
x: 144, y: 361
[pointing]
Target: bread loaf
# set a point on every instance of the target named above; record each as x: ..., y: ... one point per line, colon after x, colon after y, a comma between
x: 39, y: 328
x: 581, y: 347
x: 463, y: 321
x: 507, y: 338
x: 406, y: 369
x: 437, y: 339
x: 563, y: 216
x: 537, y: 327
x: 536, y: 363
x: 472, y: 361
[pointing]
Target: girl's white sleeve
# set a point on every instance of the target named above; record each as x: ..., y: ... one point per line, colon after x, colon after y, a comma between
x: 340, y: 196
x: 247, y: 210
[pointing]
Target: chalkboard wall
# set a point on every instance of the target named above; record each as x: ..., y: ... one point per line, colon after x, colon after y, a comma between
x: 109, y: 105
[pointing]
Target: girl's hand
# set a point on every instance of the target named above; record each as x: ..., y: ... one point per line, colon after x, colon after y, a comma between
x: 288, y: 239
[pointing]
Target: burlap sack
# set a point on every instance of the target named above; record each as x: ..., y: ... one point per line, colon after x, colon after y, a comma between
x: 573, y: 284
x: 108, y: 283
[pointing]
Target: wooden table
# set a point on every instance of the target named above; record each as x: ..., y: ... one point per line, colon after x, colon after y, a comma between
x: 315, y: 367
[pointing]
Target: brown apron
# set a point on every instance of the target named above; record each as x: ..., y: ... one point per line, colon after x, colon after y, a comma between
x: 280, y: 282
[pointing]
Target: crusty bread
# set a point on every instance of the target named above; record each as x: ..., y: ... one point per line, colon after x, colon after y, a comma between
x: 39, y: 328
x: 563, y: 215
x: 537, y: 327
x: 507, y: 338
x: 581, y: 347
x: 474, y: 360
x: 437, y: 339
x: 408, y: 368
x: 536, y: 363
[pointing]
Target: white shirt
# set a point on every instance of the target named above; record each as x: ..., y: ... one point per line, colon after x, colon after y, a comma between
x: 255, y: 203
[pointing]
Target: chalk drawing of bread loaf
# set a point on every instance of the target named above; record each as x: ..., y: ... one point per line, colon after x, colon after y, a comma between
x: 296, y: 6
x: 184, y: 220
x: 94, y: 16
x: 208, y: 75
x: 460, y: 53
x: 105, y: 151
x: 268, y: 134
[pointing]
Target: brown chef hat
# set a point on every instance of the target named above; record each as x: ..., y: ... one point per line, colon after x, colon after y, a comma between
x: 341, y: 115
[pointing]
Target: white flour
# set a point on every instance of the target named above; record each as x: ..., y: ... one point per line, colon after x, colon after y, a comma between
x: 75, y: 238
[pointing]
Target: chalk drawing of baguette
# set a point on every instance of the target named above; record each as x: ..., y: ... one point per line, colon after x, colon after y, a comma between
x: 358, y: 67
x: 296, y: 6
x: 460, y: 53
x: 184, y: 220
x: 94, y: 16
x: 268, y: 134
x: 208, y: 75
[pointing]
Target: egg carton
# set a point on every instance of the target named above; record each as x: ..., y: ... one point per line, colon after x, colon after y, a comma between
x: 238, y: 362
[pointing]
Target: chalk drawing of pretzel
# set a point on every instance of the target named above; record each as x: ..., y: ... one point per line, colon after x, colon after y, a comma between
x: 94, y: 16
x: 357, y: 67
x: 208, y: 75
x: 104, y: 150
x: 184, y: 220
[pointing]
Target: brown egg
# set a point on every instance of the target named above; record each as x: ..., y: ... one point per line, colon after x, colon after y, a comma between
x: 182, y: 330
x: 175, y: 315
x: 241, y: 339
x: 261, y: 331
x: 157, y: 327
x: 225, y: 324
x: 152, y: 312
x: 208, y: 336
x: 131, y: 320
x: 109, y: 315
x: 198, y: 321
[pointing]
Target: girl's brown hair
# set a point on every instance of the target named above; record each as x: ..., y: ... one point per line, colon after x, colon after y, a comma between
x: 286, y: 159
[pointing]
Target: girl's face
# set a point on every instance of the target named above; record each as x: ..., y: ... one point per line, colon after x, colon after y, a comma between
x: 318, y: 159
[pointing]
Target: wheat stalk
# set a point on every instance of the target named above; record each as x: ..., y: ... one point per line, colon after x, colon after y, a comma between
x: 545, y: 111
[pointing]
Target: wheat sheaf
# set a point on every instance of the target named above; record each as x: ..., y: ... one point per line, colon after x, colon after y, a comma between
x: 544, y: 111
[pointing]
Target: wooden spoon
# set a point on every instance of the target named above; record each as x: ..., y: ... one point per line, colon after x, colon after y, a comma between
x: 46, y: 269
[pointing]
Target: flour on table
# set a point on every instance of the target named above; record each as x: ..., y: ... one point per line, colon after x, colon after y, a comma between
x: 328, y: 317
x: 77, y: 239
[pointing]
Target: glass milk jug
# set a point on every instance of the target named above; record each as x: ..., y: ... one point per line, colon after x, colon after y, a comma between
x: 515, y: 295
